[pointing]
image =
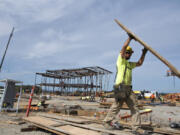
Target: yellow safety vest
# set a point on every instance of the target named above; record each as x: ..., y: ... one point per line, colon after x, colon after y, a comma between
x: 121, y: 65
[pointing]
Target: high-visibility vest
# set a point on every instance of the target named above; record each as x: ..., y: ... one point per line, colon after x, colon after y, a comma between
x: 152, y: 96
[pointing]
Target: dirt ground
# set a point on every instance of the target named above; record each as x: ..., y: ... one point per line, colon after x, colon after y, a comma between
x: 160, y: 115
x: 13, y: 129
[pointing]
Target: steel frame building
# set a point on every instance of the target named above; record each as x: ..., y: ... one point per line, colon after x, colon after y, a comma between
x: 88, y: 80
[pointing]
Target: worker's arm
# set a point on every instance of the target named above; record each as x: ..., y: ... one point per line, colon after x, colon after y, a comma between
x: 141, y: 60
x: 123, y: 50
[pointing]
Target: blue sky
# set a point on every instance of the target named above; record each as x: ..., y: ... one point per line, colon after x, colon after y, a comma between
x: 58, y: 34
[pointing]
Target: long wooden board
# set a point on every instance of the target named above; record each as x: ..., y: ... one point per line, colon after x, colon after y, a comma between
x: 65, y: 118
x: 173, y: 69
x: 88, y: 127
x: 116, y: 132
x: 166, y: 131
x: 63, y: 128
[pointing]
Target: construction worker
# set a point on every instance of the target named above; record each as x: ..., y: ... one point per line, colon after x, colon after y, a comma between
x: 41, y: 103
x: 152, y: 98
x: 161, y: 99
x: 123, y: 88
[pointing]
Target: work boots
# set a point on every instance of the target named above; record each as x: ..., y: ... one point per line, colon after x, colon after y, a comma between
x: 113, y: 125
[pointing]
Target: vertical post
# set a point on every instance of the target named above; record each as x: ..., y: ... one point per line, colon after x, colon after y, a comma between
x: 96, y: 83
x: 85, y: 86
x: 54, y: 85
x: 30, y: 100
x: 45, y: 81
x: 20, y: 93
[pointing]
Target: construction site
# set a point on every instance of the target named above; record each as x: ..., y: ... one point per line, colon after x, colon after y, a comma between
x: 76, y: 101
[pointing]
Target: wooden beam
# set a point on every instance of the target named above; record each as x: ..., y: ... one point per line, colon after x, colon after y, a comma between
x: 166, y: 131
x: 172, y: 68
x: 112, y: 132
x: 52, y: 129
x: 65, y: 118
x: 46, y: 124
x: 15, y: 122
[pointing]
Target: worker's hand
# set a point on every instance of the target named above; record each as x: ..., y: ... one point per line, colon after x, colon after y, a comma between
x: 144, y: 51
x: 131, y: 36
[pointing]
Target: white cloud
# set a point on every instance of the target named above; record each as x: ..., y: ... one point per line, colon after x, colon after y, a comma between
x: 35, y: 11
x: 32, y: 11
x: 42, y: 49
x: 50, y: 48
x: 49, y: 33
x: 52, y: 41
x: 111, y: 53
x: 58, y: 34
x: 26, y: 14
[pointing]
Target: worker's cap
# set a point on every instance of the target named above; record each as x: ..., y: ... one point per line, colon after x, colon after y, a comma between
x: 129, y: 49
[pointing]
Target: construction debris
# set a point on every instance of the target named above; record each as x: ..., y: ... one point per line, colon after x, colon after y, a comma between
x: 70, y: 128
x: 62, y: 125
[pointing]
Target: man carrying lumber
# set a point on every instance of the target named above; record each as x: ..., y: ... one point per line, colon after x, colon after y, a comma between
x: 123, y: 88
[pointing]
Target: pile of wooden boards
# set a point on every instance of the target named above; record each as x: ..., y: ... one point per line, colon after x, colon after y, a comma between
x: 75, y: 125
x: 68, y: 125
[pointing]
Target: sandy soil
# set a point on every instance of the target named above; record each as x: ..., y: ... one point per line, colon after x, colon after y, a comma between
x: 160, y: 115
x: 13, y: 129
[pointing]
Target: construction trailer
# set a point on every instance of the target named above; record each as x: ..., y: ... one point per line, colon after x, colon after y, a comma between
x: 86, y: 81
x: 8, y: 94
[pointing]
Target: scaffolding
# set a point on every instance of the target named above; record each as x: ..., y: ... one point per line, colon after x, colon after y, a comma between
x: 87, y: 80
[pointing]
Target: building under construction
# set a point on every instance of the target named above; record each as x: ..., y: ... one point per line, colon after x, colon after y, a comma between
x: 87, y: 80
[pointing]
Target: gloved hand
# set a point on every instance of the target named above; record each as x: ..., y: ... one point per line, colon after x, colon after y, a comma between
x: 131, y: 36
x: 144, y: 51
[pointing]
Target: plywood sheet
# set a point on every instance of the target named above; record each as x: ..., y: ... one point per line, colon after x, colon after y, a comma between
x: 69, y: 128
x: 78, y: 131
x: 66, y: 118
x: 41, y: 120
x: 47, y: 124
